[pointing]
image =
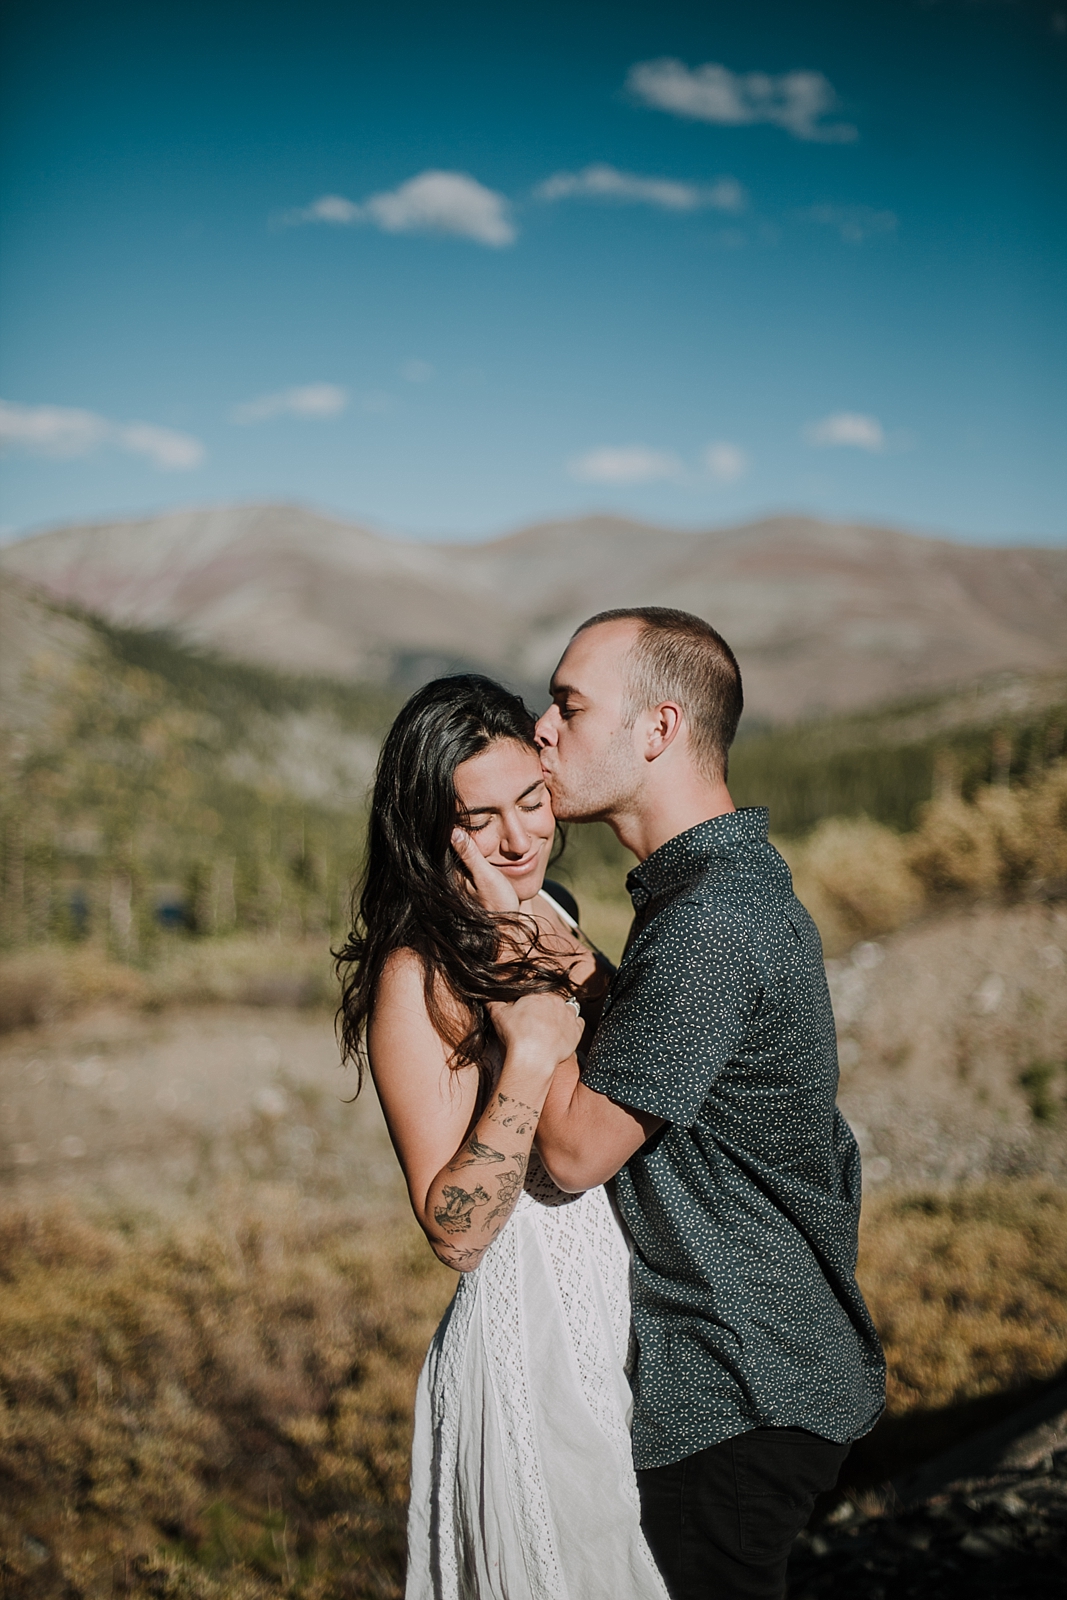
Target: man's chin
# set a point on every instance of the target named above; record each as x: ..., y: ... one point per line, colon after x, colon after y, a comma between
x: 571, y: 811
x: 566, y: 807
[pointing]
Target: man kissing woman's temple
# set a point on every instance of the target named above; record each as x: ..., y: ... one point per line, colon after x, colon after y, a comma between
x: 638, y: 1389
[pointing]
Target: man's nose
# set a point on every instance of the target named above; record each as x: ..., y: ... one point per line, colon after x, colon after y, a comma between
x: 547, y: 728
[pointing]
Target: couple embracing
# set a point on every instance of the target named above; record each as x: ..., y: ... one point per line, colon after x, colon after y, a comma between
x: 657, y: 1355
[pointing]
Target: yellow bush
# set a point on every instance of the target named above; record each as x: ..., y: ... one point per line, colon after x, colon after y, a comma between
x: 967, y: 1288
x: 221, y: 1410
x: 854, y: 877
x: 39, y: 985
x: 42, y: 984
x: 997, y: 842
x: 860, y: 879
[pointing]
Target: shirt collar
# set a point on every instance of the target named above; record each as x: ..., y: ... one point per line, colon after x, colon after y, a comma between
x: 688, y: 854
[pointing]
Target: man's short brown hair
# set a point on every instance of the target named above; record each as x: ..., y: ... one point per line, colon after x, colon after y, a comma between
x: 680, y: 657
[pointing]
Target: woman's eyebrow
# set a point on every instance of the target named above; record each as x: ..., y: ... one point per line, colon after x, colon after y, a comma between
x: 478, y: 811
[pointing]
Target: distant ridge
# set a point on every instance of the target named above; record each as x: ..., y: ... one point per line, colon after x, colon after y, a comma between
x: 824, y: 616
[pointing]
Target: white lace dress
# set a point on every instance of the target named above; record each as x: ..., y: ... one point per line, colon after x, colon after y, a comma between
x: 522, y: 1481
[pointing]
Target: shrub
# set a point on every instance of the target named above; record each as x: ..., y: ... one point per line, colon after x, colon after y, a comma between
x: 37, y: 986
x: 967, y: 1288
x: 220, y: 1409
x: 996, y: 844
x: 854, y: 877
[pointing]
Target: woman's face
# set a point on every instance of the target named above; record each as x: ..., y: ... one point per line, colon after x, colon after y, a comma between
x: 505, y: 807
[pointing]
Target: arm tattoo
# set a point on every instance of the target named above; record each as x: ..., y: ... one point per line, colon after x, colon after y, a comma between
x: 507, y: 1190
x: 474, y: 1150
x: 457, y: 1257
x: 455, y: 1216
x: 513, y: 1114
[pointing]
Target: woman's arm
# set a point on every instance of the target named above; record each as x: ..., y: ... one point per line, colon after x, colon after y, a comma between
x: 463, y: 1184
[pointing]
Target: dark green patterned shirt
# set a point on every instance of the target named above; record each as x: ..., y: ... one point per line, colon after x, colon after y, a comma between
x: 745, y: 1208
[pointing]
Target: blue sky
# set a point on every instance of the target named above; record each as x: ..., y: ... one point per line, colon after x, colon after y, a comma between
x: 448, y: 269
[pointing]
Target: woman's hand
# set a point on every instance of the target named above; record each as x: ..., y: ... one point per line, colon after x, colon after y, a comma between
x: 491, y: 887
x: 539, y: 1028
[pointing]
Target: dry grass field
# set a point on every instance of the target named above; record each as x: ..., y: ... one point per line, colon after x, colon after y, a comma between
x: 218, y: 1406
x: 215, y: 1305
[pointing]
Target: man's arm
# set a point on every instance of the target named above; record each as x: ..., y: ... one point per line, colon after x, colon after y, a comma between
x: 583, y: 1137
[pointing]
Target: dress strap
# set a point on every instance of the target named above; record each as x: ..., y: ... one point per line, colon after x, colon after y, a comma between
x: 571, y: 923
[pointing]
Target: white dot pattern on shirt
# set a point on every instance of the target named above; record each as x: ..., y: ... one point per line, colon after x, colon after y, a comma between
x: 745, y: 1208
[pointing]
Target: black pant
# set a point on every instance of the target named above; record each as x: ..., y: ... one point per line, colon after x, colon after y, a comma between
x: 721, y: 1523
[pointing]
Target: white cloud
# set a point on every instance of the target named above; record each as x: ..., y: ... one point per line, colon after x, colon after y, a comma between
x: 329, y: 208
x: 307, y: 400
x: 621, y: 464
x: 847, y: 428
x: 726, y: 462
x: 417, y: 371
x: 603, y: 182
x: 444, y: 202
x: 166, y: 449
x: 51, y: 430
x: 62, y: 431
x: 797, y: 101
x: 431, y: 202
x: 854, y: 223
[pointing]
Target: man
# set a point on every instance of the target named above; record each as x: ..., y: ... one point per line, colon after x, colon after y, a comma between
x: 709, y: 1096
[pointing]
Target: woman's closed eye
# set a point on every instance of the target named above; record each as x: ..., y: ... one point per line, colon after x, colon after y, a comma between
x: 477, y: 827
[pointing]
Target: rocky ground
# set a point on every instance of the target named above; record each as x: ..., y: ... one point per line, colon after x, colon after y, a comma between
x: 156, y: 1110
x: 988, y: 1520
x: 952, y: 1038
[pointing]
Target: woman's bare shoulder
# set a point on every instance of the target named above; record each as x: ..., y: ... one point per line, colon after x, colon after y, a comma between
x: 402, y: 972
x: 402, y: 987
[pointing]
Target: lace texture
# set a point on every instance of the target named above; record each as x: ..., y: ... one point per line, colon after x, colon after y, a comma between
x: 511, y: 1500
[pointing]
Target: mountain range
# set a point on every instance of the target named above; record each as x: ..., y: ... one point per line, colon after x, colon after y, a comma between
x: 824, y: 617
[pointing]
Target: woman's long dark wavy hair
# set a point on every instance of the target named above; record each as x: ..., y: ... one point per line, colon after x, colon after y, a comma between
x: 411, y: 895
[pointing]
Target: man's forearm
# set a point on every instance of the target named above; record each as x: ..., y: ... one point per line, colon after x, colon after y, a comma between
x: 556, y: 1138
x: 583, y: 1137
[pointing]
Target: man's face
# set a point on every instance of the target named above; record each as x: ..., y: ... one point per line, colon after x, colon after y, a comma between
x: 590, y: 760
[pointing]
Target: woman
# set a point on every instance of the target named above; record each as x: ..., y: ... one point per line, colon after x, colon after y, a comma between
x: 522, y: 1481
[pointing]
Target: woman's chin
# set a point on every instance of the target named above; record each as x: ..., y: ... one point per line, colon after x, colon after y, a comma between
x: 527, y: 885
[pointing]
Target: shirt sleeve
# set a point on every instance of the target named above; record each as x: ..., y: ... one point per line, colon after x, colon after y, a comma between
x: 678, y: 1008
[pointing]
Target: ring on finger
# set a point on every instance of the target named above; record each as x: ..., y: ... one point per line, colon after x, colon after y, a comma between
x: 572, y: 1001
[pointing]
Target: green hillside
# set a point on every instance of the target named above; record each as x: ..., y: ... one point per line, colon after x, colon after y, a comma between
x: 160, y: 788
x: 150, y: 788
x: 885, y: 764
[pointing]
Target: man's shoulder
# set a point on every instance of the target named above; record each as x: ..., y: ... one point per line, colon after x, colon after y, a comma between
x: 740, y: 917
x: 732, y: 893
x: 684, y: 936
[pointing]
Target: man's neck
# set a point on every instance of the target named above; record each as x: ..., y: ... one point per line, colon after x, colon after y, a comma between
x: 643, y: 828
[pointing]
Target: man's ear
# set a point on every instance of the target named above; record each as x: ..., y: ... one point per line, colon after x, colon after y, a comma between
x: 662, y: 726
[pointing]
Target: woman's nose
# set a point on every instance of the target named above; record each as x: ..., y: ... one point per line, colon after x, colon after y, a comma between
x: 514, y: 837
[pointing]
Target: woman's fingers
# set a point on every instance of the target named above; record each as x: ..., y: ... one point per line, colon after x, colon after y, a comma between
x: 491, y: 887
x: 546, y: 1023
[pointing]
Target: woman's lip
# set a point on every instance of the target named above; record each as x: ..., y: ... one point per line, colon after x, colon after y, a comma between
x: 518, y: 866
